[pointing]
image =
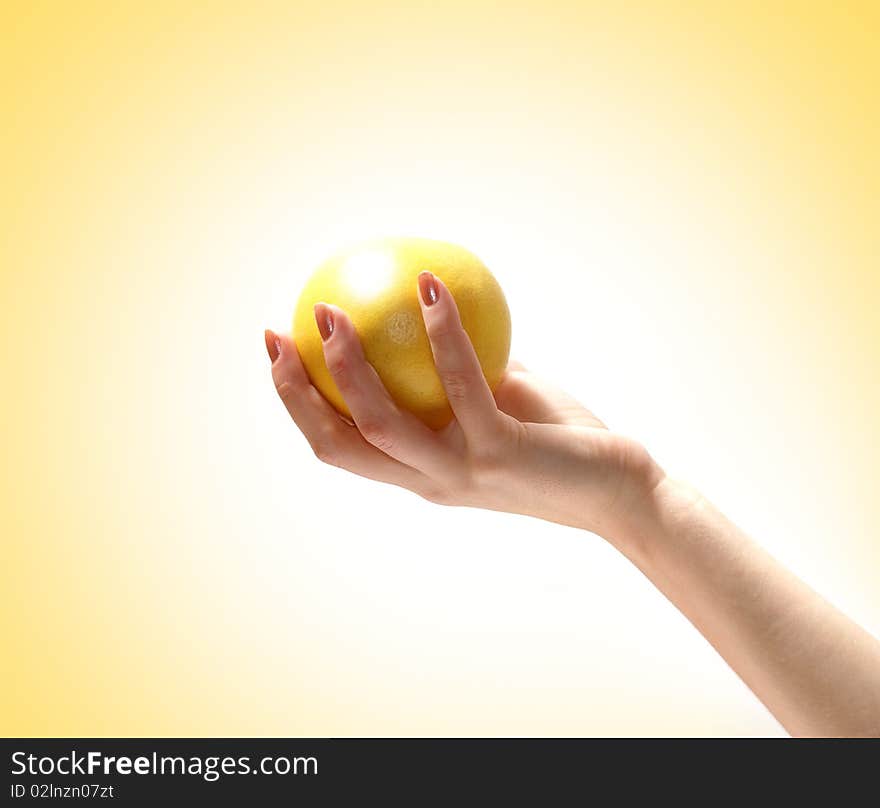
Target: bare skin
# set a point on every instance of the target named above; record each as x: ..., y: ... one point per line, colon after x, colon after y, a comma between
x: 532, y: 449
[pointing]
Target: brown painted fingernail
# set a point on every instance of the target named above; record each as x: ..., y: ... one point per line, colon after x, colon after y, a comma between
x: 324, y: 319
x: 428, y: 288
x: 273, y: 345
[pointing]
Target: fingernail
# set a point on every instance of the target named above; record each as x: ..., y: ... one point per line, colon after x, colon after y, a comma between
x: 324, y: 319
x: 428, y: 288
x: 273, y: 345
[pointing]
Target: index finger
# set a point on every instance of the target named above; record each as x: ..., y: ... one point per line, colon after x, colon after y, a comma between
x: 456, y: 360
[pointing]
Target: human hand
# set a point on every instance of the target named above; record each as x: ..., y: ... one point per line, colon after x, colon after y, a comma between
x: 529, y: 449
x: 533, y: 450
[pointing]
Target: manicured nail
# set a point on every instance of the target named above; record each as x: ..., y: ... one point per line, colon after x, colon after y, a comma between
x: 273, y: 345
x: 324, y: 319
x: 428, y: 288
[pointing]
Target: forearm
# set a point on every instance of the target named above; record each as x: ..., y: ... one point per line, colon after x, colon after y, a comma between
x: 814, y: 669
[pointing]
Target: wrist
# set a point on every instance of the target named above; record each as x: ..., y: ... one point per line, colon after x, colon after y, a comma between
x: 640, y: 530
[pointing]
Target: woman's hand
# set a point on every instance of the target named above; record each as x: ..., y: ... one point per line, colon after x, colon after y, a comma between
x: 528, y: 449
x: 533, y: 450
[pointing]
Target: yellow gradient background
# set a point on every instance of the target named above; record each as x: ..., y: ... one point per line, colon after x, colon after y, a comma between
x: 682, y: 202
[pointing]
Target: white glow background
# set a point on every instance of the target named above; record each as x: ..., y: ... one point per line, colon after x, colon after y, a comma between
x: 679, y: 209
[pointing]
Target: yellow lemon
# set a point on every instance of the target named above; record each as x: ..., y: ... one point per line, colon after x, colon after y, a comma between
x: 376, y: 285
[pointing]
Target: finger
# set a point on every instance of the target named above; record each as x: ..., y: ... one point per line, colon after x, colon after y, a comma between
x: 383, y: 424
x: 308, y: 408
x: 457, y: 364
x: 332, y: 440
x: 527, y: 398
x: 520, y: 397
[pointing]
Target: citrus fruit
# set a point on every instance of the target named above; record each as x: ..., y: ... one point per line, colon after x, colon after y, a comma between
x: 375, y: 284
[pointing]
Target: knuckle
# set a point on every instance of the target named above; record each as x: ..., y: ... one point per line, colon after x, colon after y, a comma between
x: 324, y: 447
x: 337, y: 365
x: 444, y: 324
x: 325, y: 453
x: 439, y: 496
x: 458, y: 486
x: 461, y: 487
x: 497, y: 447
x: 286, y: 391
x: 450, y: 489
x: 439, y: 334
x: 376, y: 433
x: 457, y: 384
